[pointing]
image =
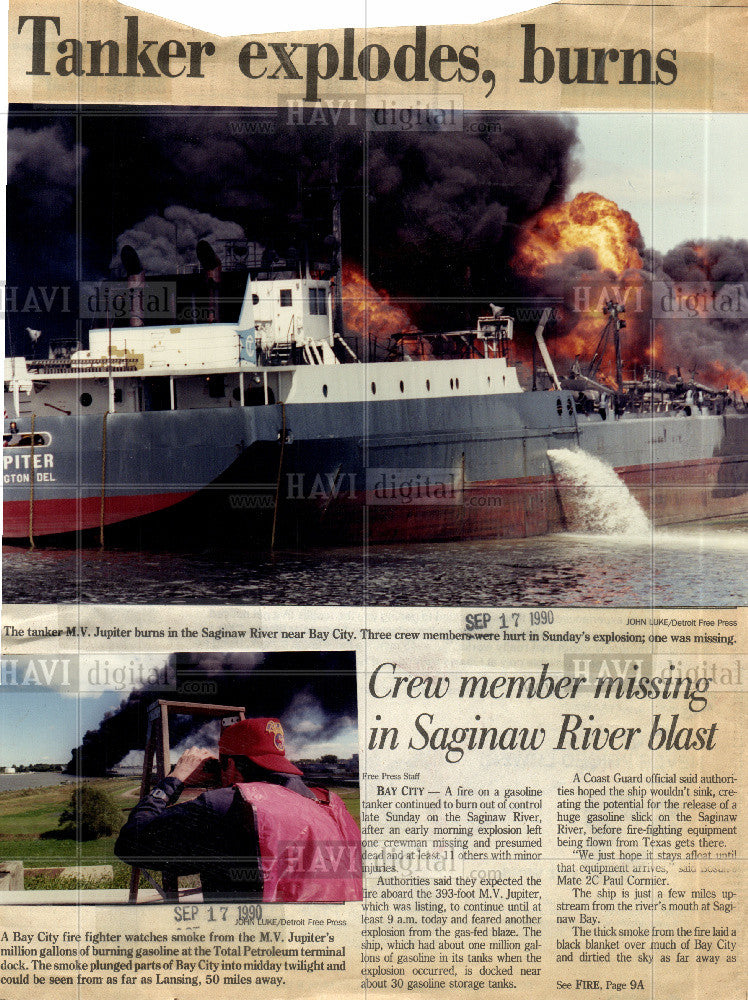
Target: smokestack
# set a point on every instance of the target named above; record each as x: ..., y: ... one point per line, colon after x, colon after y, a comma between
x: 135, y: 282
x: 211, y: 266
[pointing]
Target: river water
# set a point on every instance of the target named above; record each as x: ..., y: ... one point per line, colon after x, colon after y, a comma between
x: 32, y: 779
x: 700, y: 565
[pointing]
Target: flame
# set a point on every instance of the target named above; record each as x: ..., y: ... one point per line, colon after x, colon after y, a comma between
x: 654, y: 352
x: 370, y: 313
x: 589, y: 222
x: 548, y: 252
x: 717, y: 374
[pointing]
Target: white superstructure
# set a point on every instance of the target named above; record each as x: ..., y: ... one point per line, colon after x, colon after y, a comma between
x: 281, y: 349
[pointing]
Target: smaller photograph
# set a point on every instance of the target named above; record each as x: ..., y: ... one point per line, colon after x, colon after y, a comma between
x: 210, y: 777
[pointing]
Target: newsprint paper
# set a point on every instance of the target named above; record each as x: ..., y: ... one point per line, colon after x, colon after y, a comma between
x: 375, y: 421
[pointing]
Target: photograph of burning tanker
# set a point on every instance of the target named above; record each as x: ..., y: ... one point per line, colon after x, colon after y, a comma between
x: 217, y: 777
x: 297, y: 331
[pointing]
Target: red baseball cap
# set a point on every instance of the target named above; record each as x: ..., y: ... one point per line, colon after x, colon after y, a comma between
x: 261, y: 740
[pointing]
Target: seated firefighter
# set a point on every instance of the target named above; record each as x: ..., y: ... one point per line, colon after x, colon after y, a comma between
x: 262, y: 835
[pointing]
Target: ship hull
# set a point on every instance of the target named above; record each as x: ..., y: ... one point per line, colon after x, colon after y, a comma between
x: 384, y: 471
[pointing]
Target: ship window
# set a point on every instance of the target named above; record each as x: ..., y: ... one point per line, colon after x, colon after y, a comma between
x: 317, y: 301
x: 255, y: 299
x: 15, y: 440
x: 402, y: 387
x: 286, y: 297
x: 457, y: 383
x: 559, y: 407
x: 451, y: 383
x: 117, y: 395
x: 216, y: 386
x: 324, y: 390
x: 373, y: 388
x: 569, y: 406
x: 86, y: 399
x: 489, y: 379
x: 428, y: 385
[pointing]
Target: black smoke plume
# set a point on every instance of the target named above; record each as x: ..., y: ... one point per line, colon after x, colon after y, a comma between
x: 716, y: 341
x: 437, y: 210
x: 45, y: 162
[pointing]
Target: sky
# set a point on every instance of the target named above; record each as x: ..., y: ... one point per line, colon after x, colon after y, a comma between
x: 676, y: 174
x: 228, y: 17
x: 43, y: 727
x: 42, y: 724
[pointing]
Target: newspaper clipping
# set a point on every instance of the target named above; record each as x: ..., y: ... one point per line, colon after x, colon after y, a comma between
x: 374, y: 507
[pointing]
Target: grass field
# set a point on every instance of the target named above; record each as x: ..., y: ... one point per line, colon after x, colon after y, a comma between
x: 27, y: 814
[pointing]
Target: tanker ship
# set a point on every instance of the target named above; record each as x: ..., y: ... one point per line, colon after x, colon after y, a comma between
x: 274, y: 426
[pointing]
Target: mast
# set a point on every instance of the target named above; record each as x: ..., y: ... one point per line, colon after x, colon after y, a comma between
x: 614, y: 310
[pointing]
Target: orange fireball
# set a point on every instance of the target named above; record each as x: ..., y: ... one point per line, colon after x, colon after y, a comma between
x: 588, y: 222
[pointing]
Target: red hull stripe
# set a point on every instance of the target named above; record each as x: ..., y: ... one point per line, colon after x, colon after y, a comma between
x: 53, y: 517
x: 505, y: 508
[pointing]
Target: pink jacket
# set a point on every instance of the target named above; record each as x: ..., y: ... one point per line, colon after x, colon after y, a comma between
x: 310, y: 852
